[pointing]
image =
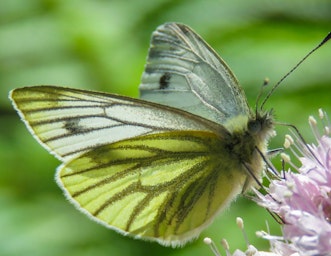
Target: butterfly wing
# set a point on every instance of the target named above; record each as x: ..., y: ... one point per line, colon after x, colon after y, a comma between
x: 163, y: 187
x: 184, y: 72
x: 69, y: 122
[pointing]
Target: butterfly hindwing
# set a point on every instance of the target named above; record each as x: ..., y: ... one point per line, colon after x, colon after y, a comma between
x: 165, y: 187
x: 184, y: 72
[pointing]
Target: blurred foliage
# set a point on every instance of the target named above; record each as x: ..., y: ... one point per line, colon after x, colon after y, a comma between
x: 102, y: 45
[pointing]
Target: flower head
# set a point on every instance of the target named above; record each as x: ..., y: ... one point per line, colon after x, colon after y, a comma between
x: 302, y: 199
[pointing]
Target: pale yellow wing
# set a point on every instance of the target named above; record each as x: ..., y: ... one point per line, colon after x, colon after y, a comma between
x: 162, y: 187
x: 69, y: 122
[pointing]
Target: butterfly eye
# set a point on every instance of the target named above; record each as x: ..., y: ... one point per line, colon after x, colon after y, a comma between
x: 254, y: 126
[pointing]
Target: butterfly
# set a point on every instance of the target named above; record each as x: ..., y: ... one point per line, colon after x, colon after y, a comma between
x: 162, y: 167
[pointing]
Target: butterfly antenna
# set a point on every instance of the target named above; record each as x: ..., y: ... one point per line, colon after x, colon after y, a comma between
x: 258, y: 98
x: 327, y: 38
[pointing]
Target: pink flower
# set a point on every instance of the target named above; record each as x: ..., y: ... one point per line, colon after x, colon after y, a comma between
x: 302, y: 198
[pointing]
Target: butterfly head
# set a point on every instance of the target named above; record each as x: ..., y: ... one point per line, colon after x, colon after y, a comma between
x: 261, y: 125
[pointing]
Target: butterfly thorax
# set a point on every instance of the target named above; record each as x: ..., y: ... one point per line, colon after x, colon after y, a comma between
x: 248, y: 138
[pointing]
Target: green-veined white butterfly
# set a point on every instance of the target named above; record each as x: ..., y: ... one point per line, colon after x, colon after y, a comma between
x: 151, y: 171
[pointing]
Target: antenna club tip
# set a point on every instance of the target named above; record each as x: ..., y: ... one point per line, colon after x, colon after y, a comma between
x: 266, y: 81
x: 327, y: 38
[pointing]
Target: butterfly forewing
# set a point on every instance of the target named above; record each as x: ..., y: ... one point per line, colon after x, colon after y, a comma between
x: 183, y: 71
x: 163, y: 187
x: 69, y: 122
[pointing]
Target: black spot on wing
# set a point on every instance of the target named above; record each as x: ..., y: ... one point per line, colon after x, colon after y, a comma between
x: 73, y: 126
x: 165, y: 80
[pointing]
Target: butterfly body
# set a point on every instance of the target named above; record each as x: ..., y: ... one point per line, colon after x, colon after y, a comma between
x: 161, y: 167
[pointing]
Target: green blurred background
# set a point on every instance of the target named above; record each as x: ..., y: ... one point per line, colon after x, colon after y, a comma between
x: 102, y: 45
